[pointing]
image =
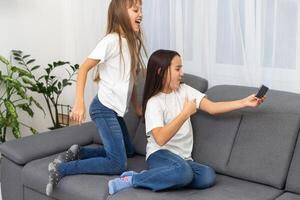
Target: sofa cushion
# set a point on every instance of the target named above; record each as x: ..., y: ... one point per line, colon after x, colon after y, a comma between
x: 35, y: 177
x: 263, y: 147
x: 213, y: 138
x: 137, y: 163
x: 196, y: 82
x: 11, y: 175
x: 132, y: 122
x: 140, y: 139
x: 293, y: 179
x: 30, y: 194
x: 288, y: 196
x: 226, y: 188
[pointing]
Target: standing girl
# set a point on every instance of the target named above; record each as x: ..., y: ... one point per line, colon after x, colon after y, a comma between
x: 168, y: 105
x: 119, y: 56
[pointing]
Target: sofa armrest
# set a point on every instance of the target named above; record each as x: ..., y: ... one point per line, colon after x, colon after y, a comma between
x: 33, y: 147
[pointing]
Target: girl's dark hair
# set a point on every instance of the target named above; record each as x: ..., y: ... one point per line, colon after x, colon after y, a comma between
x: 158, y: 65
x: 117, y: 21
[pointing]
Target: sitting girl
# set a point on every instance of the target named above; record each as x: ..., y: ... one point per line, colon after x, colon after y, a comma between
x: 167, y: 107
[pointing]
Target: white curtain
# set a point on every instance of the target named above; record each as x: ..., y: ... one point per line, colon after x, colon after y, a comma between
x: 244, y: 42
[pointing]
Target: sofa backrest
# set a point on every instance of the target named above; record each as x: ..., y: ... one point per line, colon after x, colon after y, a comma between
x: 253, y: 143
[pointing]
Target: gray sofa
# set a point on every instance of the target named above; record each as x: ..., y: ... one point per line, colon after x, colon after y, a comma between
x: 256, y: 153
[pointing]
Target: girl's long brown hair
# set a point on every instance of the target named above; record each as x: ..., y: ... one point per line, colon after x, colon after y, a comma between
x: 158, y: 65
x: 118, y: 22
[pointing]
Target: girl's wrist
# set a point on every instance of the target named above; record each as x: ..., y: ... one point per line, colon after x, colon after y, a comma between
x: 244, y: 103
x: 79, y: 101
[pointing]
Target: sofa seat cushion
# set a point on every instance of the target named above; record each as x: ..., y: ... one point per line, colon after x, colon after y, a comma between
x: 30, y: 194
x: 226, y: 188
x: 288, y: 196
x: 293, y: 179
x: 77, y: 187
x: 263, y: 147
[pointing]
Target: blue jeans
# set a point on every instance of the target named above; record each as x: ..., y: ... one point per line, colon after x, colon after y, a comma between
x: 109, y: 159
x: 169, y: 171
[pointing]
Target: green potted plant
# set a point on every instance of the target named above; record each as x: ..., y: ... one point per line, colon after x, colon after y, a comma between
x: 49, y: 85
x: 13, y: 98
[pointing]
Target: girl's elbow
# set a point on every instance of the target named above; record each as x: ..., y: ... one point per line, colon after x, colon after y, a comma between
x: 211, y: 112
x: 209, y: 107
x: 160, y: 142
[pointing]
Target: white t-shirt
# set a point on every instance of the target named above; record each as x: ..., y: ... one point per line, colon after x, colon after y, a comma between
x: 162, y: 109
x: 116, y: 81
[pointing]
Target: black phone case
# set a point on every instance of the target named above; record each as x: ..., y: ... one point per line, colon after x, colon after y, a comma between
x: 262, y: 91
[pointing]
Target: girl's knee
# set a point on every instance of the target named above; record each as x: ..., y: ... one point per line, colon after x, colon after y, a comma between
x: 184, y: 174
x: 209, y: 177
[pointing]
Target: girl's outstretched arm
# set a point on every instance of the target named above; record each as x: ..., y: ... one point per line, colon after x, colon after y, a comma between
x: 222, y: 107
x: 163, y: 134
x: 78, y: 112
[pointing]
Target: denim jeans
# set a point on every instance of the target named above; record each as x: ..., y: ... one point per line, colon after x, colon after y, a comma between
x: 109, y: 159
x: 169, y: 171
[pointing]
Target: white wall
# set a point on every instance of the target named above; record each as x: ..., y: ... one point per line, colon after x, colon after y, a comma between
x: 52, y: 30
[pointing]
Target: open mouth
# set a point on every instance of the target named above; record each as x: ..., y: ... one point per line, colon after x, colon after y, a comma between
x: 138, y: 21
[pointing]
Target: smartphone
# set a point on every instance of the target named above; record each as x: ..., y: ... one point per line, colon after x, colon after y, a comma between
x: 262, y: 91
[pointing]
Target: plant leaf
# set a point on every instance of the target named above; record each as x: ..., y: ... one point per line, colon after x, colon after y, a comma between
x: 30, y: 61
x: 60, y: 63
x: 21, y: 72
x: 65, y: 82
x: 35, y: 67
x: 17, y: 52
x: 16, y: 130
x: 10, y: 108
x: 76, y: 66
x: 4, y: 60
x: 17, y: 58
x: 26, y: 108
x: 26, y: 56
x: 31, y: 99
x: 34, y: 131
x: 2, y: 121
x: 27, y: 81
x: 48, y: 70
